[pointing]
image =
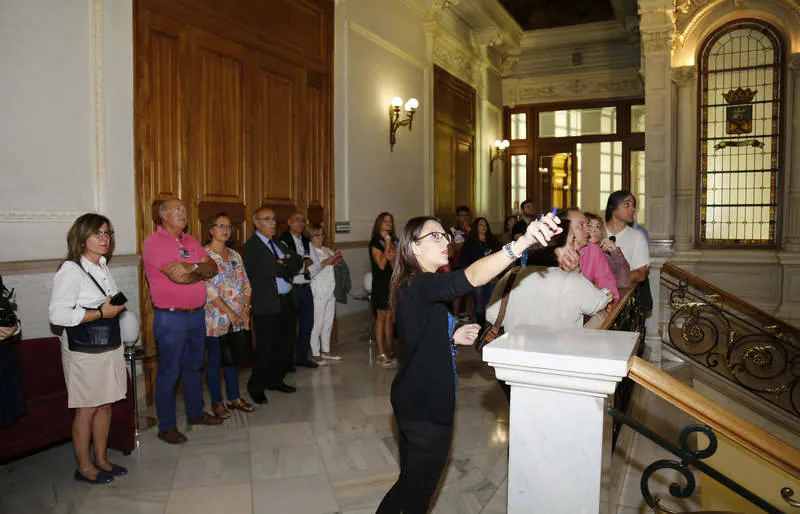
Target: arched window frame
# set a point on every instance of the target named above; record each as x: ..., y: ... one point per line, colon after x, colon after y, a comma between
x: 776, y: 136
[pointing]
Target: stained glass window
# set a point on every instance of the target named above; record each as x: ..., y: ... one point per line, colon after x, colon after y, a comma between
x: 741, y: 71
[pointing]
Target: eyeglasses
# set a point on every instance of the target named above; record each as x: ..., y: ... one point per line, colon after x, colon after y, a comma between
x: 222, y: 225
x: 108, y: 234
x: 437, y: 237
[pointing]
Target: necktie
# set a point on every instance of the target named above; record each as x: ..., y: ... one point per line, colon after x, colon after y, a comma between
x: 273, y: 249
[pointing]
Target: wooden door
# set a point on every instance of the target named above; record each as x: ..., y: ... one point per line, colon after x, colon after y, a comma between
x: 454, y: 140
x: 232, y: 112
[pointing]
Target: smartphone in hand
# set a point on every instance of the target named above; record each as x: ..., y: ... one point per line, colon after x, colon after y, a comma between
x: 119, y: 299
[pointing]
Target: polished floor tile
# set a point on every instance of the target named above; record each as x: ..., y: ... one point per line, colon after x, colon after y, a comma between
x: 328, y: 448
x: 303, y: 495
x: 223, y: 499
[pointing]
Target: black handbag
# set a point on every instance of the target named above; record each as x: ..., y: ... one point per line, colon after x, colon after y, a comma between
x: 97, y: 336
x: 236, y: 348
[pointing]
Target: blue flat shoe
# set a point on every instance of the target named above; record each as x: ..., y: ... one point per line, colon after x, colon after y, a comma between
x: 115, y: 470
x: 103, y: 477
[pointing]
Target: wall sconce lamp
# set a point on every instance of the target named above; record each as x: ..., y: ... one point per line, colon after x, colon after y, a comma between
x: 394, y: 117
x: 498, y: 152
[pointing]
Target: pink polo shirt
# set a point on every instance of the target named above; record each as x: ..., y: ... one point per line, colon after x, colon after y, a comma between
x: 161, y: 249
x: 594, y: 266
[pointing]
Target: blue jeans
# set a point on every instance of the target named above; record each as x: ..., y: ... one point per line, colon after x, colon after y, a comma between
x: 214, y: 377
x: 181, y: 338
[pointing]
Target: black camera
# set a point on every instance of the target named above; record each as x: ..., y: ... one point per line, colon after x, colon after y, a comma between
x: 8, y: 318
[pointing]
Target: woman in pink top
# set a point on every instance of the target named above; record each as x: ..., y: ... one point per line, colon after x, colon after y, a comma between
x: 599, y: 237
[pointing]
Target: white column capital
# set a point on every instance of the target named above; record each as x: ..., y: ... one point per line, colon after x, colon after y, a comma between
x: 559, y: 380
x: 794, y: 62
x: 684, y: 76
x: 578, y: 361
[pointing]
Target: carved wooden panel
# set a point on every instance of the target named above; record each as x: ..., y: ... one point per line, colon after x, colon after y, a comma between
x: 217, y: 119
x: 276, y: 127
x: 160, y: 94
x: 317, y: 150
x: 297, y: 30
x: 234, y: 211
x: 444, y: 167
x: 464, y: 176
x: 454, y: 102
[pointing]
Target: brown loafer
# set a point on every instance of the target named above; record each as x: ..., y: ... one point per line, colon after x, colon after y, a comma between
x: 206, y: 419
x: 220, y: 411
x: 172, y: 436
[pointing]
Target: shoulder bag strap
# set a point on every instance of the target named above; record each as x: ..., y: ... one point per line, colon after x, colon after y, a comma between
x: 512, y: 276
x: 95, y: 281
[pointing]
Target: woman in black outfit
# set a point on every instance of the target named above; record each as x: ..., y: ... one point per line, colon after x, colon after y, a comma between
x: 381, y: 259
x: 480, y: 243
x: 424, y: 390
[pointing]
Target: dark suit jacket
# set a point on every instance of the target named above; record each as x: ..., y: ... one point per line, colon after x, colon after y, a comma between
x: 262, y: 269
x: 287, y: 238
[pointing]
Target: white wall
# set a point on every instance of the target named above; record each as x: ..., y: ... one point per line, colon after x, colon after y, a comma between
x: 66, y: 138
x: 379, y: 52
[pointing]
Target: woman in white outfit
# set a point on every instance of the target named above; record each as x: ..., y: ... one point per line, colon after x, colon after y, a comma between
x: 94, y: 380
x: 322, y: 286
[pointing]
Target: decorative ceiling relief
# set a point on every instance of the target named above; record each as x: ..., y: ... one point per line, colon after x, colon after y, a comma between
x: 539, y: 90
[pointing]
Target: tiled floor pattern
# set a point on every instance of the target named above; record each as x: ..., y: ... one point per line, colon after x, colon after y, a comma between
x: 329, y: 448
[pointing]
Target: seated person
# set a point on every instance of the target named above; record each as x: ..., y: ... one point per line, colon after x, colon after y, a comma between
x: 619, y: 266
x: 561, y: 297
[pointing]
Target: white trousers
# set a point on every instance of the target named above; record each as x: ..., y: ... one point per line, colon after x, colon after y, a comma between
x: 324, y: 310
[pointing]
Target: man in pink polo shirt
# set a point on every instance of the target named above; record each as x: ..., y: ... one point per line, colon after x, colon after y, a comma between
x: 176, y: 265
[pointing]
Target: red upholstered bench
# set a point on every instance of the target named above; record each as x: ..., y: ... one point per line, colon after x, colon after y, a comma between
x: 48, y: 420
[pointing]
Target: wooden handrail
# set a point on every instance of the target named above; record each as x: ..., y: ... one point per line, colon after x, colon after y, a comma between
x: 624, y: 299
x: 766, y: 320
x: 720, y: 419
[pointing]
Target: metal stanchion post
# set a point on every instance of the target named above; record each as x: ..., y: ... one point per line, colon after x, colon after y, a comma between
x: 140, y: 424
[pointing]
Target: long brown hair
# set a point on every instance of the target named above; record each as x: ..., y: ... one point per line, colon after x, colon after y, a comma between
x: 84, y: 227
x: 407, y: 266
x: 376, y: 227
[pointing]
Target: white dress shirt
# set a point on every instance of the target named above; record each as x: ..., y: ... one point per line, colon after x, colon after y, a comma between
x: 634, y: 247
x: 301, y: 250
x: 74, y: 291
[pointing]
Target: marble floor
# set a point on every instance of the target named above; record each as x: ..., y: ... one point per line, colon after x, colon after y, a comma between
x: 329, y: 448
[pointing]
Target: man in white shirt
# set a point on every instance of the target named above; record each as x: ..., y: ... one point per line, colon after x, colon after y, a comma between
x: 301, y: 286
x: 620, y: 212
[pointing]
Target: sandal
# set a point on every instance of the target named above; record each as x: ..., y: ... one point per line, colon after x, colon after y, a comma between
x: 241, y: 404
x: 384, y: 361
x: 220, y: 411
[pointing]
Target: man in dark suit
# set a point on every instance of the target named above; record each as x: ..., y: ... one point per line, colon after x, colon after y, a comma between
x: 270, y: 266
x: 297, y: 242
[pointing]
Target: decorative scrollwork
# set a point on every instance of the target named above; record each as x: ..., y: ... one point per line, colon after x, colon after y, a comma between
x: 675, y: 489
x: 757, y: 356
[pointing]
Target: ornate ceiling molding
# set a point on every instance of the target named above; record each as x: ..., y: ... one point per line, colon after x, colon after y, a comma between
x: 611, y: 84
x: 453, y: 54
x: 38, y: 216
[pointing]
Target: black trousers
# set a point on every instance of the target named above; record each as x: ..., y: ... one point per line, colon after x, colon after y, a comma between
x: 274, y: 337
x: 424, y: 447
x: 304, y: 303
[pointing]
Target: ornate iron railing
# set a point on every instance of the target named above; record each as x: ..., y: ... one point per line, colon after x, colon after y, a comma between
x: 688, y: 457
x: 629, y: 316
x: 737, y: 341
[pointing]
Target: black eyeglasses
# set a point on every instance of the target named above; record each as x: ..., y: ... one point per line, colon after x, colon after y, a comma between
x: 437, y: 237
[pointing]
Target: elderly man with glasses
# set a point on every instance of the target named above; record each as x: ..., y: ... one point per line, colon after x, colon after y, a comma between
x: 176, y: 265
x: 271, y: 265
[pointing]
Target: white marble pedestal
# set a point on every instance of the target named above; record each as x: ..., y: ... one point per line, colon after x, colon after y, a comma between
x: 559, y: 382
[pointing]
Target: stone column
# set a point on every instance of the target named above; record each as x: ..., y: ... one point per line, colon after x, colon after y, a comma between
x: 685, y: 78
x: 560, y: 381
x: 789, y: 309
x: 657, y: 29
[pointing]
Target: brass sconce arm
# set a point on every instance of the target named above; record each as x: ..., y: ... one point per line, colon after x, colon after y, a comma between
x: 394, y: 117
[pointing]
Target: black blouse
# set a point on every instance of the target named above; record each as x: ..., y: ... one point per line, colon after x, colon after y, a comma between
x: 424, y: 388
